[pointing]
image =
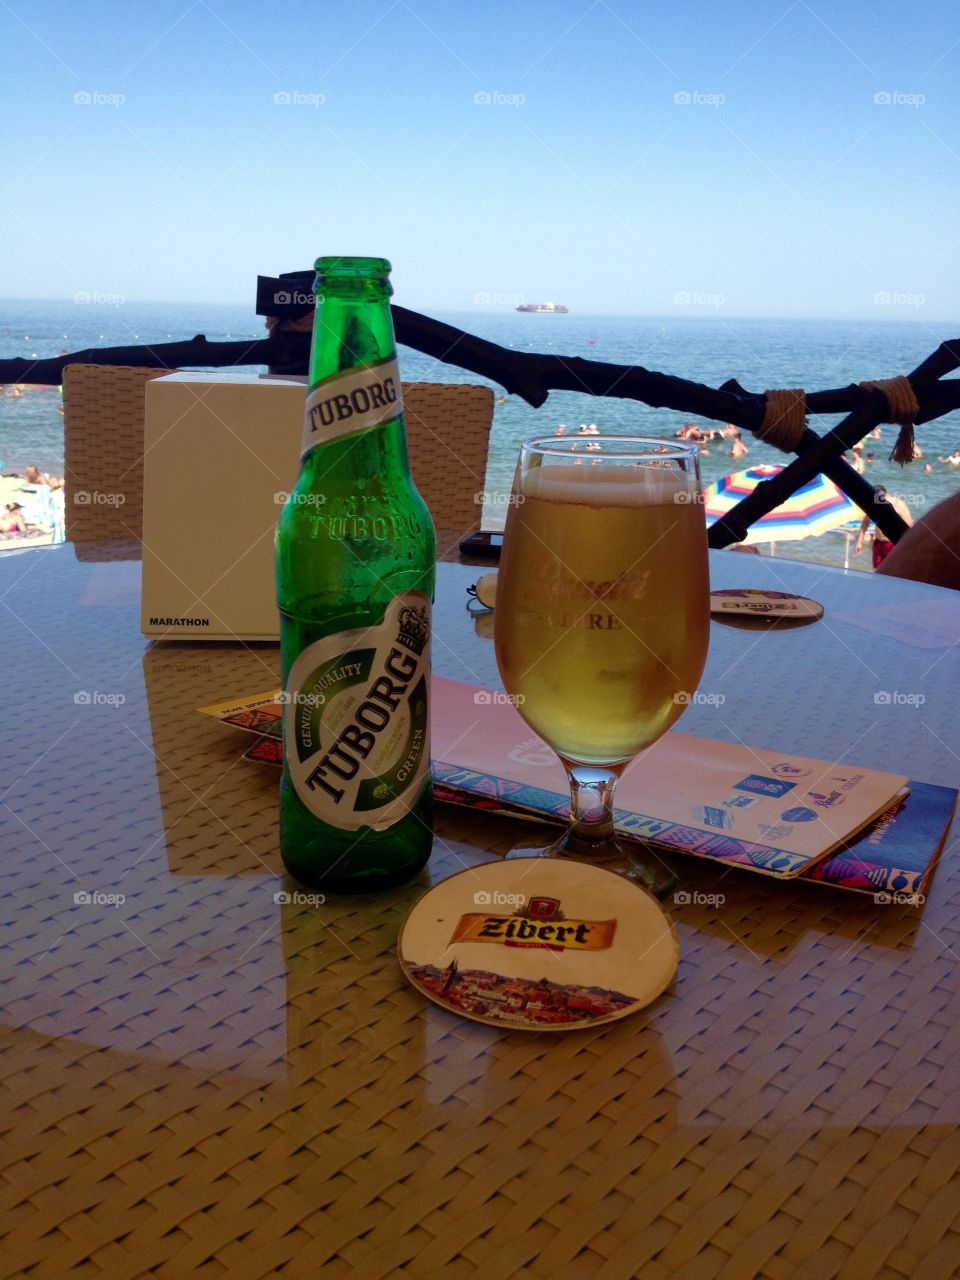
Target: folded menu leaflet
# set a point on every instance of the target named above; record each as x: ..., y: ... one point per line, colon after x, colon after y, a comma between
x: 780, y: 815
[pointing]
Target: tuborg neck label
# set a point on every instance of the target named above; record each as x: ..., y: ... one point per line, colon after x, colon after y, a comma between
x: 351, y: 401
x: 356, y: 719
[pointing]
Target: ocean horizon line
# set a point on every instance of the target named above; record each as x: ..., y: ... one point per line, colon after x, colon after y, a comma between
x: 708, y: 313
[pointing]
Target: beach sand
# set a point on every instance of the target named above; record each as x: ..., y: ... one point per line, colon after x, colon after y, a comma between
x: 826, y: 549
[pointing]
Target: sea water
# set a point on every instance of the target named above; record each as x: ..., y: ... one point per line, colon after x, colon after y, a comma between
x: 760, y: 354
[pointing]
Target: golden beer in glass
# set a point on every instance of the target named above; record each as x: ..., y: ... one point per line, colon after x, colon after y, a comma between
x: 602, y: 614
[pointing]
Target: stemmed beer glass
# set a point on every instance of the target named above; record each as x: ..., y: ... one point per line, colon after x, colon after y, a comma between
x: 602, y: 614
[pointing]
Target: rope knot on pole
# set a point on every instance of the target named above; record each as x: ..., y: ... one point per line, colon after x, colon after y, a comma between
x: 902, y: 408
x: 784, y: 419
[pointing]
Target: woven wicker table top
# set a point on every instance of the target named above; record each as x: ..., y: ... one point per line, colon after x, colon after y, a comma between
x: 199, y: 1081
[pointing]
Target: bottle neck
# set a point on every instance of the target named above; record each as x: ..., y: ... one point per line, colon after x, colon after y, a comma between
x: 379, y: 451
x: 355, y: 389
x: 350, y: 332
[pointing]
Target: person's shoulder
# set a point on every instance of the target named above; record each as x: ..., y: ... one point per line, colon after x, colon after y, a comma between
x: 929, y: 551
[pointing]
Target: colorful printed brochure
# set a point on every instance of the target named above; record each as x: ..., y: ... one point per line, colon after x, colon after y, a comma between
x: 770, y: 811
x: 260, y: 713
x: 776, y: 814
x: 894, y: 857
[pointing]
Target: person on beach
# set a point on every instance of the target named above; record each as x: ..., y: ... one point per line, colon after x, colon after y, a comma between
x: 33, y: 475
x: 882, y: 546
x: 59, y: 519
x: 857, y: 462
x: 738, y: 449
x: 12, y: 520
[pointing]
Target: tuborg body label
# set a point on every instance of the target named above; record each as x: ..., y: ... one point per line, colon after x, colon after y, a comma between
x: 352, y: 401
x: 356, y: 719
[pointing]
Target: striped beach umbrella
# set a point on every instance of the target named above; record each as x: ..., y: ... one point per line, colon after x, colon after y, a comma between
x: 818, y: 506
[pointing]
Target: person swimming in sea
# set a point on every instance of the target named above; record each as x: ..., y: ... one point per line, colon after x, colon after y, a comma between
x: 738, y: 449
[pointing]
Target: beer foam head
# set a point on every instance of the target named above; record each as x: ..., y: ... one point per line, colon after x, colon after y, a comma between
x: 599, y: 484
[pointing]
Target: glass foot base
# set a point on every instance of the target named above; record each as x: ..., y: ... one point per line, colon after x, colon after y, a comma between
x: 633, y: 862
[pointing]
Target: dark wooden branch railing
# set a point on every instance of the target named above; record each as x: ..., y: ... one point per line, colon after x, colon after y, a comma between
x: 292, y: 348
x: 532, y: 377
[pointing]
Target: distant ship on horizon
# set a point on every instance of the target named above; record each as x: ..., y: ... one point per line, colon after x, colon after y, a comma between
x: 548, y: 308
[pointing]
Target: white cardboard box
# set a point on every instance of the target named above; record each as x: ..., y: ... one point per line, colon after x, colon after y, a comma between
x: 219, y: 449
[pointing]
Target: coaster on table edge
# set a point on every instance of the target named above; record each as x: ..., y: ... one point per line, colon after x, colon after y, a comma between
x: 538, y: 944
x: 763, y: 604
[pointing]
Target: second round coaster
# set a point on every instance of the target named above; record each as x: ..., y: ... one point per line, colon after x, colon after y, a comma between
x: 764, y: 604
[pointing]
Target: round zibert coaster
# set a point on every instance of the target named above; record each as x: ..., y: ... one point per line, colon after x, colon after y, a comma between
x: 764, y: 604
x: 539, y: 944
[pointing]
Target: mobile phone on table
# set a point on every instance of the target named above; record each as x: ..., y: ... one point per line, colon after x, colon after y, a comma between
x: 485, y: 544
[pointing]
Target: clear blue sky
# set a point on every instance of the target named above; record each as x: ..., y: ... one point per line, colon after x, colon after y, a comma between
x: 780, y: 187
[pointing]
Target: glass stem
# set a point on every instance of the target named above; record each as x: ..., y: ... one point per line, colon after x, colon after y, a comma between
x: 591, y: 810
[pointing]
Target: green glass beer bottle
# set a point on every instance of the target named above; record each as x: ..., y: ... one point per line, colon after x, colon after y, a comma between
x: 355, y: 557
